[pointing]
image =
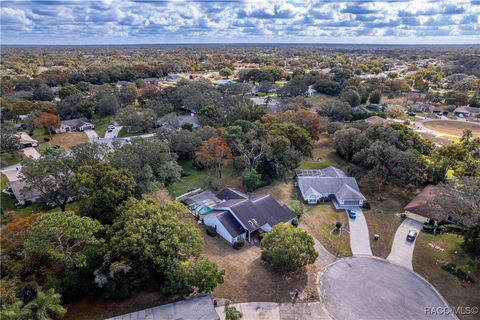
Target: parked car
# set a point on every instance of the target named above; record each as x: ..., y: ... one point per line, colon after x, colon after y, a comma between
x: 411, y: 235
x: 352, y: 214
x: 111, y: 127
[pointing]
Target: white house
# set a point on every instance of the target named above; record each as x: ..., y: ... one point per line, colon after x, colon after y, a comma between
x: 329, y: 184
x: 80, y: 124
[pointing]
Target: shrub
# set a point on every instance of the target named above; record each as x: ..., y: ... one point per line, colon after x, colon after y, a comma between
x: 231, y: 313
x: 366, y: 205
x: 297, y: 207
x: 428, y: 228
x: 458, y: 272
x: 338, y: 224
x: 403, y: 215
x: 211, y: 231
x: 295, y: 222
x: 239, y: 243
x: 46, y: 139
x: 251, y: 180
x: 288, y: 248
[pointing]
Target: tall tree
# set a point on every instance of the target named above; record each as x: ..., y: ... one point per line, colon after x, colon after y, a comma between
x: 10, y: 139
x: 213, y: 153
x: 64, y: 237
x: 50, y: 175
x: 299, y: 252
x: 48, y: 121
x: 103, y: 188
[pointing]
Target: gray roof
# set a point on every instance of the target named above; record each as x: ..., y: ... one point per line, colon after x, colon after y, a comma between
x: 329, y: 181
x: 228, y: 193
x: 230, y: 223
x: 76, y: 122
x: 255, y: 212
x: 21, y: 194
x: 199, y: 308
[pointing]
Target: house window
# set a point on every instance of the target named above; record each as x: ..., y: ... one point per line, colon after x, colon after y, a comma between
x: 312, y: 199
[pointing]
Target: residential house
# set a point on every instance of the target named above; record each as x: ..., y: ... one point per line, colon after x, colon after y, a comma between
x: 173, y: 78
x: 467, y: 112
x: 422, y: 107
x: 151, y: 81
x: 330, y: 183
x: 223, y: 82
x: 424, y: 205
x: 80, y: 124
x: 172, y: 121
x: 239, y: 216
x: 121, y: 84
x: 26, y: 141
x: 197, y: 308
x: 375, y: 107
x: 376, y: 120
x: 17, y: 188
x: 360, y: 110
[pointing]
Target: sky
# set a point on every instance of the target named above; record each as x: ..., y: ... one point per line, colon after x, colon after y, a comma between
x: 56, y: 22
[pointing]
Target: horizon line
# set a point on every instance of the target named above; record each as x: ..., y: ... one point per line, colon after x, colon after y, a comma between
x: 247, y: 43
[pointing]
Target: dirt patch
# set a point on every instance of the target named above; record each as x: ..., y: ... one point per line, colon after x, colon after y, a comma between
x: 101, y: 308
x: 248, y: 278
x: 66, y: 140
x: 452, y: 127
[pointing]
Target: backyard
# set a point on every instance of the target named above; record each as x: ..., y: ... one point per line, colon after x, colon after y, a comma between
x: 427, y: 261
x: 193, y: 178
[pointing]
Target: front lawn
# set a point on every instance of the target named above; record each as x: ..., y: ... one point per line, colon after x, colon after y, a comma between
x: 248, y: 278
x: 65, y: 140
x: 319, y: 220
x: 9, y: 158
x: 383, y: 218
x: 427, y: 262
x: 101, y: 125
x: 194, y: 178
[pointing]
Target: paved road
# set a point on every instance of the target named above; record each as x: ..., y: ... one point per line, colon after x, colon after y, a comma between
x: 31, y: 152
x: 91, y: 134
x: 402, y: 250
x: 369, y: 288
x: 359, y: 237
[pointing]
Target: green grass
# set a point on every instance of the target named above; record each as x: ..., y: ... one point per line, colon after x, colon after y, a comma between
x: 194, y: 178
x: 39, y: 134
x: 427, y: 262
x: 101, y: 125
x: 319, y: 220
x: 7, y: 159
x: 323, y: 156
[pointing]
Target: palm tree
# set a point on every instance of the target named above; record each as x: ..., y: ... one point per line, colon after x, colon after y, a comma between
x: 14, y: 311
x: 46, y: 306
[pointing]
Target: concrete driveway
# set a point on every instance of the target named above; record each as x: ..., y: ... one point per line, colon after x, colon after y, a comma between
x: 402, y: 250
x: 114, y: 133
x: 278, y: 311
x: 359, y: 237
x: 91, y: 134
x: 368, y: 288
x: 31, y: 153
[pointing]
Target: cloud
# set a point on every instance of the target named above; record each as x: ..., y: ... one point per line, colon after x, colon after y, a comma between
x: 137, y: 21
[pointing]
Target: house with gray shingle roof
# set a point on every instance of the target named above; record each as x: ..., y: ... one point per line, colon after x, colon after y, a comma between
x: 330, y: 183
x: 239, y: 216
